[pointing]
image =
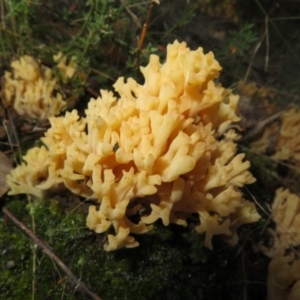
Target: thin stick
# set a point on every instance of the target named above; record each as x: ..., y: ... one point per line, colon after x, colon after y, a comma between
x: 252, y: 57
x: 146, y: 25
x: 267, y: 44
x: 34, y: 258
x: 91, y: 91
x: 12, y: 135
x: 144, y: 31
x: 135, y: 19
x: 290, y: 48
x: 3, y: 25
x: 77, y: 282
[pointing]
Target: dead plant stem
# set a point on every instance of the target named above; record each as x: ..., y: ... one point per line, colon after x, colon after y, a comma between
x: 33, y: 252
x: 77, y: 282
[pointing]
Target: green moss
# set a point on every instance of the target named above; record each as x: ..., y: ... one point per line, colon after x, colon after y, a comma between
x: 170, y: 263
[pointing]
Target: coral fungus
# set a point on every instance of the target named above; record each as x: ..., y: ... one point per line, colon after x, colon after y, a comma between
x: 284, y: 267
x: 153, y: 153
x: 31, y: 87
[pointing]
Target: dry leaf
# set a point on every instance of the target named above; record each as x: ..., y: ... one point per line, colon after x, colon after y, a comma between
x: 5, y: 167
x: 260, y: 125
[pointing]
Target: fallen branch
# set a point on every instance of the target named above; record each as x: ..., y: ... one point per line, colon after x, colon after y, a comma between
x: 77, y: 282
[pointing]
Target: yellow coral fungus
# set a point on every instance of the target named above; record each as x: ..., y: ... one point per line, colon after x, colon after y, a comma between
x: 284, y: 275
x: 152, y: 153
x: 67, y: 70
x: 286, y: 214
x: 31, y: 87
x: 284, y: 267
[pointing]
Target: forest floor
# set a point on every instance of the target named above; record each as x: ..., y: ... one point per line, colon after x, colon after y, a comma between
x: 257, y: 43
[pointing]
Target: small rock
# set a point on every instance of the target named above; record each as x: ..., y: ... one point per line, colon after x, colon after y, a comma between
x: 10, y: 264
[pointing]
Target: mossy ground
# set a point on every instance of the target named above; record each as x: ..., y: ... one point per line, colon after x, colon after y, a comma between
x: 170, y: 263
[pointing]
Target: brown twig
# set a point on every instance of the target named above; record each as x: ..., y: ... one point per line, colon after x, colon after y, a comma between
x: 91, y: 91
x: 146, y: 25
x: 103, y: 74
x: 11, y: 133
x: 135, y: 19
x: 77, y: 282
